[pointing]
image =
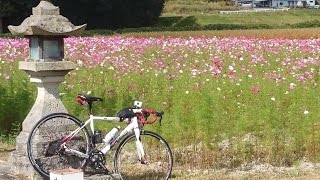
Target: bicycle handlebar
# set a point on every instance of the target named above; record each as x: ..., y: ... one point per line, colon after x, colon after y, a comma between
x: 145, y: 113
x: 142, y: 115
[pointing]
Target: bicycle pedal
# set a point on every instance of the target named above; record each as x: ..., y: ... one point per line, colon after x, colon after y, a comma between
x: 102, y: 166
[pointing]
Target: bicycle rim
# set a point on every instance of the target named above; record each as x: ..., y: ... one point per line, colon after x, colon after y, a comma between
x: 157, y: 153
x: 44, y: 139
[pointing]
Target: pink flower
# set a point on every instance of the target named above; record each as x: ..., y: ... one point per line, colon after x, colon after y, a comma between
x: 255, y: 90
x: 7, y: 77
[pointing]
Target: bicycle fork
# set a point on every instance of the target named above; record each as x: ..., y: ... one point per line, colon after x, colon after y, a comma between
x: 139, y: 146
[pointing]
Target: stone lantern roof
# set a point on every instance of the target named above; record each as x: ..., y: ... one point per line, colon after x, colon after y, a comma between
x: 46, y: 21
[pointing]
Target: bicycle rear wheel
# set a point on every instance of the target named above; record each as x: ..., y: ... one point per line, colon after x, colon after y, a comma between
x: 45, y: 141
x: 157, y: 153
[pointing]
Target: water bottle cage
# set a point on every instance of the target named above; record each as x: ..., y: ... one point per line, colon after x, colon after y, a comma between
x: 97, y: 137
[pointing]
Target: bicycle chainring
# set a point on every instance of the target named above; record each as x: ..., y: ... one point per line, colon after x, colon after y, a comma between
x: 96, y: 159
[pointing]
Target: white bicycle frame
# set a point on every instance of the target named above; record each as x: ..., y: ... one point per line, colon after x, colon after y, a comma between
x: 133, y: 126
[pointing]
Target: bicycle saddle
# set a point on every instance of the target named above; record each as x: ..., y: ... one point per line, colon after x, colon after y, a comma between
x: 86, y: 99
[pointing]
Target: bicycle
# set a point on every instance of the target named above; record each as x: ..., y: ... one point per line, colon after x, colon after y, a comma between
x: 60, y: 140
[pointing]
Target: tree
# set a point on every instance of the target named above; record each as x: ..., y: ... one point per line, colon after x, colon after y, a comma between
x: 135, y: 13
x: 14, y: 12
x: 5, y: 8
x: 110, y: 14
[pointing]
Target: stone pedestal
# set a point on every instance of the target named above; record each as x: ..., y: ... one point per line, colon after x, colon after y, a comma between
x: 45, y: 29
x: 47, y: 76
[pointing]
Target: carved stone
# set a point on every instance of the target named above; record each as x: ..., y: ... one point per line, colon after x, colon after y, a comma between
x: 46, y: 76
x: 45, y: 23
x: 46, y: 20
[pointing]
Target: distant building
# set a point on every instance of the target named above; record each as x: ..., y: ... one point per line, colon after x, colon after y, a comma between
x: 275, y: 3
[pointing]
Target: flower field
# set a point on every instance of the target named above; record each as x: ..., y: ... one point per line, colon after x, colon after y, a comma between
x: 227, y: 100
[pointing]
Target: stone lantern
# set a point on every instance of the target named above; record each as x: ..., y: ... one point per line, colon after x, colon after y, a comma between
x: 46, y: 65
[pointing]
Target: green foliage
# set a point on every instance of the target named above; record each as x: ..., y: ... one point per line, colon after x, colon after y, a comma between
x: 193, y: 7
x: 96, y: 13
x: 307, y: 24
x: 215, y: 112
x: 188, y: 24
x: 15, y: 102
x: 14, y: 12
x: 178, y: 27
x: 112, y: 13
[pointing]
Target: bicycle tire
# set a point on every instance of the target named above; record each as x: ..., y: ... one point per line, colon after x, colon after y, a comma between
x: 128, y: 166
x: 42, y: 151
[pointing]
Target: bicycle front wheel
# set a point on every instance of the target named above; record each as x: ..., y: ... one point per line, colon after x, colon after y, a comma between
x: 45, y: 140
x: 158, y: 158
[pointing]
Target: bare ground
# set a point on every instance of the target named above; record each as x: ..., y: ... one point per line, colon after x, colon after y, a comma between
x: 302, y: 171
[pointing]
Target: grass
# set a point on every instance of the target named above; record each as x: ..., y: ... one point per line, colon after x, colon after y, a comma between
x: 270, y: 18
x: 305, y: 33
x: 202, y: 13
x: 282, y: 18
x: 7, y: 144
x: 208, y: 120
x: 191, y: 7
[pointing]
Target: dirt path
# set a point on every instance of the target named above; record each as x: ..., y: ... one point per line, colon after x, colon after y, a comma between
x: 303, y: 171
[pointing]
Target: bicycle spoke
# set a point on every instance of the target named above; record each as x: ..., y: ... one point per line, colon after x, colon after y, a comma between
x: 45, y: 142
x: 157, y: 162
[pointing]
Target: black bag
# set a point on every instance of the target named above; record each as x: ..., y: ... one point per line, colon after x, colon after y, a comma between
x: 126, y: 113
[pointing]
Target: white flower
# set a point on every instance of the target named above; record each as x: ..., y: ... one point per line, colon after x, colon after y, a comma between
x: 305, y: 112
x: 89, y: 92
x: 187, y: 92
x: 250, y: 76
x: 194, y: 72
x: 273, y: 99
x: 219, y: 89
x: 180, y: 71
x: 79, y: 62
x: 231, y: 68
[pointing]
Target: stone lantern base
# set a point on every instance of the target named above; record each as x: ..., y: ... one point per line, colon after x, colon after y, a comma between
x: 46, y: 76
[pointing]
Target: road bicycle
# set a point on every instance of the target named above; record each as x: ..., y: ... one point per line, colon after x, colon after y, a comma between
x: 60, y: 140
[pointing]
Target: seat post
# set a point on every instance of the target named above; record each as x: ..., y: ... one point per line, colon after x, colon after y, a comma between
x: 90, y: 108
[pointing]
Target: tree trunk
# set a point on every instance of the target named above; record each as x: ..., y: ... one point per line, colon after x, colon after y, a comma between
x: 1, y: 27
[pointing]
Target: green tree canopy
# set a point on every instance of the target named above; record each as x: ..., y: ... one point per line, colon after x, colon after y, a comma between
x: 109, y: 14
x: 14, y: 12
x: 112, y: 13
